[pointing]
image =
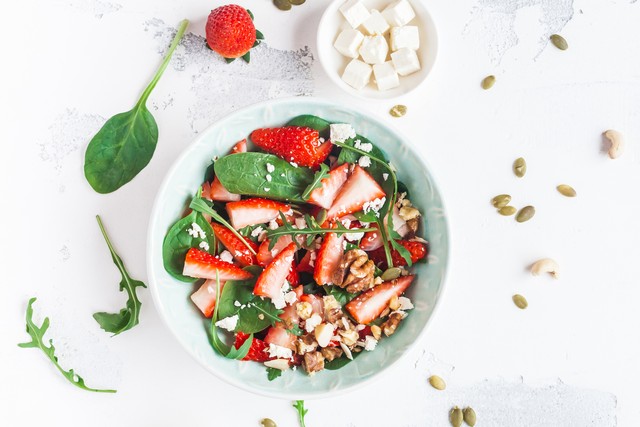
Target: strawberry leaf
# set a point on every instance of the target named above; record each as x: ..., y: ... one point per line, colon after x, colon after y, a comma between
x: 259, y: 35
x: 229, y: 60
x: 247, y: 57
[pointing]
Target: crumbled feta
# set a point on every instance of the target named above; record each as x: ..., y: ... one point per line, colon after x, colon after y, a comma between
x: 354, y: 237
x: 267, y: 189
x: 290, y: 297
x: 312, y: 258
x: 196, y: 231
x: 279, y: 352
x: 370, y: 343
x: 294, y: 164
x: 341, y: 132
x: 301, y: 223
x: 279, y: 301
x: 270, y: 167
x: 364, y: 161
x: 374, y: 206
x: 226, y: 256
x: 311, y: 323
x: 282, y: 175
x: 268, y: 177
x: 344, y: 245
x: 321, y: 140
x: 346, y: 222
x: 256, y: 231
x: 405, y: 303
x: 204, y: 246
x: 228, y: 323
x: 385, y: 176
x: 273, y: 224
x: 360, y: 327
x: 364, y: 146
x: 237, y: 304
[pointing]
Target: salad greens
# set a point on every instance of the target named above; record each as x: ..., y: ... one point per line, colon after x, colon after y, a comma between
x: 126, y: 142
x: 273, y: 373
x: 299, y: 405
x: 128, y: 317
x: 230, y: 352
x: 317, y: 181
x: 37, y: 341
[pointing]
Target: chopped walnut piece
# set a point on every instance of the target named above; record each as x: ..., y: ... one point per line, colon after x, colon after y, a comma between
x: 413, y: 225
x: 349, y: 337
x: 394, y: 304
x: 313, y: 362
x: 390, y: 326
x: 331, y: 353
x: 332, y: 310
x: 355, y: 271
x: 304, y: 310
x: 386, y: 312
x: 376, y: 331
x: 306, y: 343
x: 408, y: 213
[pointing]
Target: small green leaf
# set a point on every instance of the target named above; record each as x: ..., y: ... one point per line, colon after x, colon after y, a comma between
x: 299, y: 406
x: 259, y: 35
x: 230, y: 60
x: 247, y: 57
x: 317, y: 181
x: 250, y: 14
x: 340, y: 362
x: 273, y: 373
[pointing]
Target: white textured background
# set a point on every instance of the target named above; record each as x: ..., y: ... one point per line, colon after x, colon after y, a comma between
x: 570, y: 359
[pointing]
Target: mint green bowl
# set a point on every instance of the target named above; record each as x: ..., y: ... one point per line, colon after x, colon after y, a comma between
x: 171, y: 297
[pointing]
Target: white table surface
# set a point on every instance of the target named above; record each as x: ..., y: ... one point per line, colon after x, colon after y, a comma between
x: 570, y: 359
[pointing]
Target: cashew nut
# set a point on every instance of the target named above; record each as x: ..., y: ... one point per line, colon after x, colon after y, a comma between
x: 545, y: 265
x: 617, y: 143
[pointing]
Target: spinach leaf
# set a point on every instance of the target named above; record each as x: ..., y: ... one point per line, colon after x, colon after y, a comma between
x: 340, y: 362
x: 128, y: 317
x: 313, y: 122
x: 126, y: 142
x: 317, y: 181
x: 178, y: 241
x: 246, y: 174
x: 299, y: 405
x: 273, y: 373
x: 341, y: 295
x: 37, y: 341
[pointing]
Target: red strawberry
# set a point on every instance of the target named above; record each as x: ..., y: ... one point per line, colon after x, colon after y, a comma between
x: 325, y: 195
x: 359, y: 189
x: 240, y: 252
x: 272, y: 278
x: 240, y: 147
x: 418, y: 250
x: 230, y: 31
x: 256, y: 351
x: 205, y: 297
x: 203, y: 265
x: 307, y: 262
x: 372, y: 240
x: 328, y: 258
x: 297, y: 144
x: 254, y: 211
x: 299, y: 290
x: 219, y: 193
x: 368, y: 306
x: 206, y: 190
x: 290, y: 316
x: 279, y: 336
x: 293, y: 278
x: 265, y: 256
x: 317, y: 304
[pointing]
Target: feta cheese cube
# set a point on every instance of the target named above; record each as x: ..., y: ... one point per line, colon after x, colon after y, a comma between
x: 355, y: 12
x: 340, y: 132
x: 375, y: 24
x: 399, y: 13
x: 357, y: 74
x: 405, y: 61
x: 405, y: 37
x: 348, y: 42
x: 386, y: 76
x: 374, y: 50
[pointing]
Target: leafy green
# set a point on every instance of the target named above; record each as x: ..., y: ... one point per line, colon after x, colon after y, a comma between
x: 313, y: 122
x: 246, y: 174
x: 341, y: 295
x: 37, y: 341
x: 340, y: 362
x: 299, y: 405
x: 317, y: 181
x: 273, y: 373
x: 127, y: 141
x: 178, y: 241
x: 128, y: 317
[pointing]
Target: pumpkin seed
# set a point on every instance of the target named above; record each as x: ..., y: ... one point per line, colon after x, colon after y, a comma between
x: 282, y: 4
x: 455, y: 416
x: 469, y: 416
x: 526, y: 214
x: 321, y: 216
x: 391, y: 273
x: 501, y: 201
x: 268, y: 422
x: 520, y: 301
x: 437, y: 382
x: 559, y: 42
x: 566, y: 190
x: 488, y: 82
x: 507, y: 210
x: 398, y: 110
x: 520, y: 167
x: 296, y: 2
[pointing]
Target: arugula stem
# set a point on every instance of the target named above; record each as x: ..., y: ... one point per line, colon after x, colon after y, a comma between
x: 306, y: 231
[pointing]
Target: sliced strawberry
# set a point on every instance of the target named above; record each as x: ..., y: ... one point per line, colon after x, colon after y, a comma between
x: 265, y: 256
x: 299, y: 290
x: 254, y: 211
x: 328, y: 258
x: 240, y: 147
x: 290, y: 316
x: 219, y: 193
x: 240, y: 252
x: 293, y: 278
x: 418, y: 250
x: 257, y: 351
x: 206, y: 190
x: 372, y: 240
x: 317, y: 304
x: 270, y: 282
x: 368, y: 306
x: 362, y: 333
x: 203, y: 265
x: 297, y: 144
x: 205, y: 297
x: 280, y: 336
x: 307, y: 262
x: 325, y: 195
x: 359, y: 189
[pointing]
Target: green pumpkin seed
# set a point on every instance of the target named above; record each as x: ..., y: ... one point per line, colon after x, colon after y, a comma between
x: 455, y: 416
x: 469, y: 416
x: 321, y: 216
x: 488, y: 82
x: 501, y: 201
x: 507, y: 210
x: 268, y: 422
x: 398, y: 110
x: 559, y: 42
x: 520, y: 301
x: 566, y: 190
x: 526, y: 214
x: 282, y: 4
x: 296, y: 2
x: 391, y: 273
x: 437, y: 382
x: 520, y: 167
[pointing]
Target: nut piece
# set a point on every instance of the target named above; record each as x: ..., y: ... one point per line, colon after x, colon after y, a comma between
x: 545, y: 265
x: 520, y: 301
x: 376, y: 331
x: 469, y: 416
x: 408, y: 213
x: 304, y: 310
x: 332, y: 310
x: 437, y: 382
x: 617, y: 143
x: 313, y: 362
x: 306, y: 344
x: 268, y: 422
x: 394, y: 304
x: 349, y: 337
x: 455, y: 416
x: 390, y: 326
x: 331, y: 353
x: 323, y: 334
x: 355, y: 272
x: 282, y: 364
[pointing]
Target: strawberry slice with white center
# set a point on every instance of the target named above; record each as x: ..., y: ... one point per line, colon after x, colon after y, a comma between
x: 328, y: 258
x: 371, y: 240
x: 359, y: 189
x: 324, y: 196
x: 265, y: 255
x: 218, y: 193
x: 203, y: 265
x: 240, y: 147
x: 205, y: 297
x: 368, y: 306
x: 240, y: 252
x: 278, y: 335
x: 269, y: 283
x: 254, y: 211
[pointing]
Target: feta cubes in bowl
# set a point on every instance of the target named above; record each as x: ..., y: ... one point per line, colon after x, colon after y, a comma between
x: 377, y: 49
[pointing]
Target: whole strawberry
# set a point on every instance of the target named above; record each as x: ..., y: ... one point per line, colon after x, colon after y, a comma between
x: 231, y: 33
x: 301, y: 145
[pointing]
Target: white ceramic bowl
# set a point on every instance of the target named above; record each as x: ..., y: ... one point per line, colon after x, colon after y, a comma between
x: 334, y: 63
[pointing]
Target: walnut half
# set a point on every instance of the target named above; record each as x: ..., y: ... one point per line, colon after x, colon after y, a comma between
x: 313, y: 362
x: 355, y: 272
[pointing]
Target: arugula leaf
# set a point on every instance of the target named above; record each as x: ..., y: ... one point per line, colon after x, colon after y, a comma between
x: 273, y: 373
x: 317, y: 181
x: 126, y: 142
x: 37, y: 341
x: 341, y: 295
x: 246, y: 174
x: 299, y: 405
x: 340, y: 362
x: 128, y: 317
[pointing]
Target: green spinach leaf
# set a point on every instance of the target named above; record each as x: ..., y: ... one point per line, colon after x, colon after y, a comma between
x: 341, y: 295
x: 340, y: 362
x: 313, y: 122
x: 273, y: 373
